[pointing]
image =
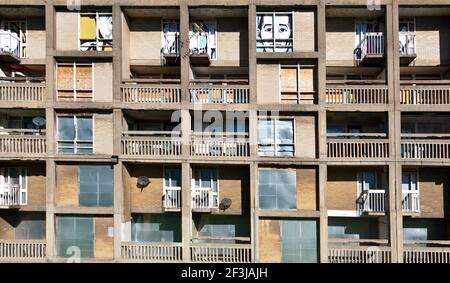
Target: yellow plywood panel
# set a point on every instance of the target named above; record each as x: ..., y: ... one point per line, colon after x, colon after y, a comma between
x: 306, y: 79
x: 65, y: 77
x: 288, y: 79
x: 269, y: 240
x: 104, y: 241
x: 88, y: 27
x: 67, y: 185
x: 84, y: 77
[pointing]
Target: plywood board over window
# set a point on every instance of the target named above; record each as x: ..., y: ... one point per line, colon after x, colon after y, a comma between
x: 297, y: 84
x: 74, y: 82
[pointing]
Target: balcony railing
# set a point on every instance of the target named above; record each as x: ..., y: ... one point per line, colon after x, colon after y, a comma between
x: 10, y: 44
x: 209, y: 92
x: 425, y: 146
x: 411, y: 201
x: 22, y: 249
x: 21, y: 91
x: 357, y: 94
x: 359, y: 254
x: 350, y: 145
x: 425, y: 94
x: 222, y: 145
x: 151, y: 91
x: 229, y: 253
x: 204, y: 198
x: 22, y: 141
x: 373, y: 201
x: 371, y: 44
x: 151, y: 143
x: 151, y: 252
x: 426, y: 252
x: 10, y: 195
x: 172, y: 198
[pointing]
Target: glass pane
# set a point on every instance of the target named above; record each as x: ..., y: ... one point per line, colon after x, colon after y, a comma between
x: 265, y: 132
x: 206, y: 178
x: 66, y: 128
x: 84, y: 125
x: 370, y: 180
x: 299, y: 240
x: 75, y: 233
x: 405, y: 181
x: 285, y: 131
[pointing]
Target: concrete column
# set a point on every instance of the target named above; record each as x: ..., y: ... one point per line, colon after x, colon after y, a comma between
x: 50, y: 215
x: 49, y: 50
x: 321, y: 47
x: 399, y: 216
x: 184, y: 53
x: 118, y: 185
x: 186, y: 212
x: 322, y: 134
x: 323, y: 223
x: 252, y: 65
x: 117, y: 51
x: 393, y: 212
x: 253, y: 216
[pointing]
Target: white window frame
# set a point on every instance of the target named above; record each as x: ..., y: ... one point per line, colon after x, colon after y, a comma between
x: 176, y: 34
x: 6, y: 27
x: 74, y: 65
x: 274, y: 138
x: 5, y: 180
x: 75, y: 141
x: 212, y: 194
x: 209, y: 45
x: 274, y: 41
x: 413, y: 33
x: 97, y: 40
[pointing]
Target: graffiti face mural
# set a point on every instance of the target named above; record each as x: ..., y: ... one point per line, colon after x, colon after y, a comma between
x: 274, y: 32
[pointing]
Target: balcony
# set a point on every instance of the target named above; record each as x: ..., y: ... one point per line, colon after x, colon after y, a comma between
x: 151, y: 143
x: 372, y: 201
x: 357, y: 145
x: 425, y: 146
x: 11, y: 196
x: 426, y: 252
x: 214, y: 92
x: 18, y: 90
x: 223, y: 253
x: 356, y: 94
x: 29, y: 250
x: 410, y: 202
x: 370, y: 50
x: 22, y: 142
x: 151, y: 91
x: 417, y: 93
x: 172, y: 199
x: 230, y: 145
x: 203, y: 198
x: 358, y: 251
x: 151, y: 252
x: 10, y: 46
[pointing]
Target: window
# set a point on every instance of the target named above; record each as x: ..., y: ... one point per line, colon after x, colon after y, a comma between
x: 298, y: 241
x: 171, y: 37
x: 276, y: 137
x: 30, y: 229
x: 95, y: 31
x: 75, y: 134
x: 96, y: 185
x: 172, y: 177
x: 368, y: 180
x: 156, y: 228
x: 15, y: 41
x: 407, y: 36
x: 73, y: 234
x: 274, y: 32
x: 74, y: 82
x: 213, y: 228
x: 297, y: 84
x: 203, y: 39
x: 13, y: 182
x: 277, y: 189
x: 409, y: 181
x: 206, y: 188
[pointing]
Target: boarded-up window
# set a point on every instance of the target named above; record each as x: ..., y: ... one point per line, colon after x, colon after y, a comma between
x: 297, y: 84
x: 74, y: 82
x: 299, y: 241
x: 96, y: 185
x: 75, y: 236
x: 277, y: 189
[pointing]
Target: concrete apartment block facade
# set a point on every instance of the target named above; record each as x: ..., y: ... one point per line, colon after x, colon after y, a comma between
x: 107, y: 152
